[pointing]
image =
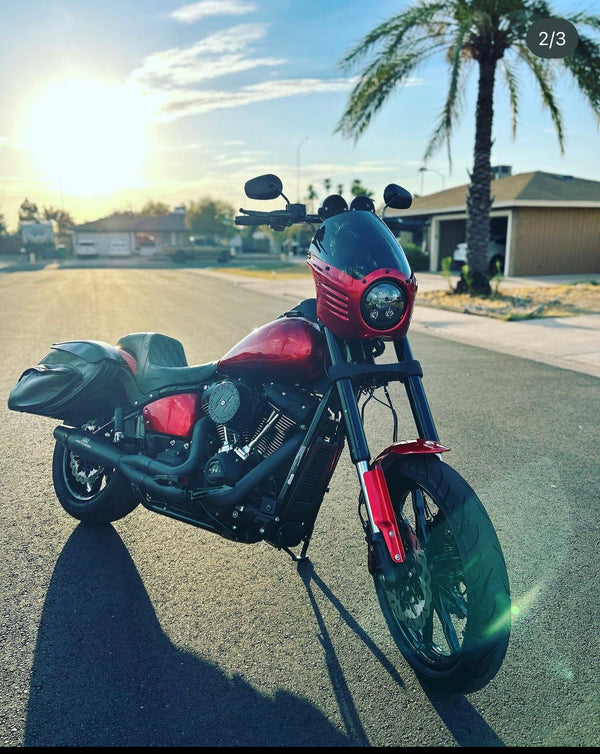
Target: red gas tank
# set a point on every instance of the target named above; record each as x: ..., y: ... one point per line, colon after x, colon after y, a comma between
x: 290, y: 348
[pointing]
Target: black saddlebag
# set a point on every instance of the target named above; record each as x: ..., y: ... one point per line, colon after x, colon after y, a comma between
x: 70, y: 382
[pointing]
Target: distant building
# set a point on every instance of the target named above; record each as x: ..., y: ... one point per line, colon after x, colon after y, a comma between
x: 144, y: 234
x: 550, y: 223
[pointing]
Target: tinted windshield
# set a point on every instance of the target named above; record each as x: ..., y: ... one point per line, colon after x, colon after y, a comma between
x: 357, y: 243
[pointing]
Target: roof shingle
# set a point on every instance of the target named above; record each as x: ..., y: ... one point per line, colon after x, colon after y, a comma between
x: 173, y: 222
x: 534, y: 186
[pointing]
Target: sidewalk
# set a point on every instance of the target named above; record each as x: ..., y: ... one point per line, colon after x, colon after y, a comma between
x: 565, y: 342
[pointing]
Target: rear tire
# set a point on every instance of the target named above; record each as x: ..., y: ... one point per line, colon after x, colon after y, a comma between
x: 450, y: 614
x: 90, y: 492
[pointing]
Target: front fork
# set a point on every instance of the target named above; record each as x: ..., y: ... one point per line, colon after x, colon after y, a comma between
x: 383, y: 535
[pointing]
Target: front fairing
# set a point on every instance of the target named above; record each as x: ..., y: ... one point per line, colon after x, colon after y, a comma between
x: 351, y: 252
x: 357, y: 243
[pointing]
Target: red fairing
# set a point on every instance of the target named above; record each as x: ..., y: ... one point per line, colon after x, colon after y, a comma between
x: 174, y: 415
x: 290, y: 347
x: 339, y: 296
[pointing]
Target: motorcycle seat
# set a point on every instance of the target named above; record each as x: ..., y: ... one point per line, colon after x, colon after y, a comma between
x: 161, y: 362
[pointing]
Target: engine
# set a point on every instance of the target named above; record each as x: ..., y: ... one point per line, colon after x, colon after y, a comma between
x: 251, y: 423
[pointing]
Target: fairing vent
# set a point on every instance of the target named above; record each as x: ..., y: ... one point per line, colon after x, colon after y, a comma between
x: 334, y: 299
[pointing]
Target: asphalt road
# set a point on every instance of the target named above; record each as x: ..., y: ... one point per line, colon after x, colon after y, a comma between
x: 154, y: 633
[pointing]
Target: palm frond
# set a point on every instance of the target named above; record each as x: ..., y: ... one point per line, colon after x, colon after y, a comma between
x: 584, y: 65
x: 543, y: 75
x: 372, y: 90
x: 394, y: 31
x: 584, y: 18
x: 453, y: 103
x: 513, y: 86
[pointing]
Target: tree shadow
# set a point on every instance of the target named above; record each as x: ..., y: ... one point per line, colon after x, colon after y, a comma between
x: 105, y: 674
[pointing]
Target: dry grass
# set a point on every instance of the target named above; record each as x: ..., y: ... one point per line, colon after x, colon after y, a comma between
x: 521, y: 303
x: 508, y: 303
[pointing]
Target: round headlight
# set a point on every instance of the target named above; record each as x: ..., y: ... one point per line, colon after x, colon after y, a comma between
x: 383, y: 305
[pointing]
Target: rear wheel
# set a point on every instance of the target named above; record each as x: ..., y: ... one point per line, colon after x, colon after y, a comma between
x: 87, y: 491
x: 449, y: 613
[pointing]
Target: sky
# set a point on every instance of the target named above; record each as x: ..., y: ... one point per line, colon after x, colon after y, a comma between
x: 105, y: 106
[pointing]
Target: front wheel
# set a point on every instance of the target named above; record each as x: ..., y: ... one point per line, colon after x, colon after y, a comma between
x: 87, y: 491
x: 449, y: 611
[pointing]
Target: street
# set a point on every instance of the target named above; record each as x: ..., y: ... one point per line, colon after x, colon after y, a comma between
x: 153, y: 633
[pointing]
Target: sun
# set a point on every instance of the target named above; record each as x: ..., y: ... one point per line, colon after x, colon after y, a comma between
x: 89, y: 136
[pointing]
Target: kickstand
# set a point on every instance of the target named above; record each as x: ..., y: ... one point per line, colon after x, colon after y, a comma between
x: 302, y: 555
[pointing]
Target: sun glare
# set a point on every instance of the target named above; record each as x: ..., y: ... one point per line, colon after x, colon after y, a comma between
x: 88, y: 136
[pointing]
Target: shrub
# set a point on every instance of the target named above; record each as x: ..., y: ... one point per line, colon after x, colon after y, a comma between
x: 418, y: 260
x: 446, y: 271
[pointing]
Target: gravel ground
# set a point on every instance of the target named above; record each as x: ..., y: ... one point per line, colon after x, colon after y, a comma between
x: 521, y: 303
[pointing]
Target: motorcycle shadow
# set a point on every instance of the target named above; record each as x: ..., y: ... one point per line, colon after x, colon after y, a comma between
x: 105, y: 674
x: 460, y: 717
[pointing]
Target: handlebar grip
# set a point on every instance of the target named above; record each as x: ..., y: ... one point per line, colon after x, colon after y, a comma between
x: 248, y: 220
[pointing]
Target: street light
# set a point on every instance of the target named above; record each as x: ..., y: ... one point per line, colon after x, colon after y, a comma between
x: 432, y: 170
x: 300, y: 143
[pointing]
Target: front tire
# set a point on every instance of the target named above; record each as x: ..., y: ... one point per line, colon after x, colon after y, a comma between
x: 90, y: 492
x: 450, y: 613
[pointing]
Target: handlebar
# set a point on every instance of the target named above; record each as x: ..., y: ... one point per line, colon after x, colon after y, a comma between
x: 279, y: 219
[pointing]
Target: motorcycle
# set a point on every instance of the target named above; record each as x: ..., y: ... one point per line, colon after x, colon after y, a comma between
x: 246, y: 446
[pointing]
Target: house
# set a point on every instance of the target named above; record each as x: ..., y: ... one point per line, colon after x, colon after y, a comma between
x: 143, y: 234
x: 550, y: 224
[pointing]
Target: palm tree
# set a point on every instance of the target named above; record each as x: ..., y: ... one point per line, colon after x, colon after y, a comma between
x: 491, y: 34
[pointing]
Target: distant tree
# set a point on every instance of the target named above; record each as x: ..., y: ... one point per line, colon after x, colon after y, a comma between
x: 311, y: 196
x: 327, y: 184
x: 340, y: 188
x: 2, y: 224
x: 156, y: 209
x: 28, y: 211
x: 63, y: 219
x: 127, y: 212
x: 357, y: 189
x: 211, y: 218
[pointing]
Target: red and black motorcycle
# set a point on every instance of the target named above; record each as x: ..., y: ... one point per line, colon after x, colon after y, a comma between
x: 246, y: 446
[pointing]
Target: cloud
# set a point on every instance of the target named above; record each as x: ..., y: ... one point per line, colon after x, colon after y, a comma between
x: 188, y: 14
x: 216, y: 55
x: 186, y: 102
x: 172, y: 80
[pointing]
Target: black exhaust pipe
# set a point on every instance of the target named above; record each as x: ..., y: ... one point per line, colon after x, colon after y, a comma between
x: 140, y: 469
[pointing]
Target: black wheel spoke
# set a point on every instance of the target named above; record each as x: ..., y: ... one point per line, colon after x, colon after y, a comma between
x: 418, y: 504
x: 447, y: 626
x: 88, y: 491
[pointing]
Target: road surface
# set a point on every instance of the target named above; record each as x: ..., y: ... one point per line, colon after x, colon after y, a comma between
x: 154, y: 633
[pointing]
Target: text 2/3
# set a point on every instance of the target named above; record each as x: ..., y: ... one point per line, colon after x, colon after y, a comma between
x: 555, y: 38
x: 552, y: 38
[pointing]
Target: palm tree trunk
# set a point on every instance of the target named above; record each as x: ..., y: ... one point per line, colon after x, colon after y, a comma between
x: 479, y: 200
